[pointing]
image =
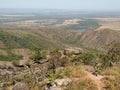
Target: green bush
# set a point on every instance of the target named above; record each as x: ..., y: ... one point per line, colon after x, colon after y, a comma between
x: 87, y: 58
x: 36, y: 57
x: 15, y: 63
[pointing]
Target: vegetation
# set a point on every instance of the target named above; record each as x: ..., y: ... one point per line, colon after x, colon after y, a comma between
x: 111, y: 55
x: 36, y: 57
x: 87, y: 58
x: 73, y: 68
x: 82, y: 85
x: 15, y: 63
x: 86, y: 24
x: 10, y: 56
x: 95, y: 68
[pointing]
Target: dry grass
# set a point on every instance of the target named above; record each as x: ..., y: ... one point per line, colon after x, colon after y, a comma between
x: 29, y: 23
x: 3, y: 52
x: 23, y: 52
x: 2, y: 44
x: 82, y: 84
x: 69, y: 22
x: 72, y: 72
x: 112, y: 78
x: 111, y: 23
x: 18, y: 33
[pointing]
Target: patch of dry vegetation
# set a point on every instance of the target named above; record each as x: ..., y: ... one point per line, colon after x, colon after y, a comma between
x: 69, y: 22
x: 112, y: 78
x: 3, y: 52
x: 111, y: 23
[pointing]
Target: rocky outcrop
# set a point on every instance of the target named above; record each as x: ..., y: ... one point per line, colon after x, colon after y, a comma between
x: 73, y: 50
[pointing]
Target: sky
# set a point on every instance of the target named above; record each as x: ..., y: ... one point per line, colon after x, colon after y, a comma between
x: 62, y: 4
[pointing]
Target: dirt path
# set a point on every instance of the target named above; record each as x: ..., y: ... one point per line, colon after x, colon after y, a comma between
x: 96, y: 79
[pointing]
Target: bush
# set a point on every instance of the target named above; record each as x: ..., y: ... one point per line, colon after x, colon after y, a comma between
x: 52, y: 77
x: 15, y: 63
x: 36, y: 57
x: 86, y: 58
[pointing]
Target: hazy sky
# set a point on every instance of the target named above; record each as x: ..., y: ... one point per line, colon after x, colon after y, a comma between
x: 62, y: 4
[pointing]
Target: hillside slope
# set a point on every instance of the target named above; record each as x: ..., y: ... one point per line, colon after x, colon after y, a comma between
x: 25, y: 39
x: 98, y: 39
x: 90, y: 39
x: 56, y: 38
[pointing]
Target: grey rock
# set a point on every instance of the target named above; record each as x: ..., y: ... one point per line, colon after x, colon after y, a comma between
x: 20, y: 86
x: 64, y: 81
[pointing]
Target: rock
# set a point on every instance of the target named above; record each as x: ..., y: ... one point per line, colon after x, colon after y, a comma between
x: 22, y: 63
x: 6, y: 65
x: 73, y: 50
x: 49, y: 85
x: 100, y: 77
x: 56, y: 88
x: 60, y: 82
x: 5, y: 72
x: 59, y: 69
x: 20, y: 86
x: 89, y: 68
x: 52, y: 86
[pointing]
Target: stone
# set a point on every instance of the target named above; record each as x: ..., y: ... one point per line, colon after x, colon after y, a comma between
x: 89, y: 68
x: 56, y: 88
x: 49, y: 85
x: 20, y: 86
x: 73, y: 50
x: 65, y: 81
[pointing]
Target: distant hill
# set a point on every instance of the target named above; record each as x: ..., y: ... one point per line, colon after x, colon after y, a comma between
x: 25, y: 39
x: 90, y: 39
x: 55, y: 38
x: 99, y: 38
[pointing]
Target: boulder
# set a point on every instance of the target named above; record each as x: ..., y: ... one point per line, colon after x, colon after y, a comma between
x: 73, y: 50
x: 20, y: 86
x: 65, y: 81
x: 89, y: 68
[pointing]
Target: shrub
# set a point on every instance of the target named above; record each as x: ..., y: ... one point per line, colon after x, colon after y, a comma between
x: 15, y: 63
x: 52, y: 77
x: 86, y: 58
x: 36, y: 57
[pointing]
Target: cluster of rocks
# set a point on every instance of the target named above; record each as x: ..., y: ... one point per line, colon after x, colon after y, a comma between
x: 8, y: 70
x: 73, y: 50
x: 58, y: 84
